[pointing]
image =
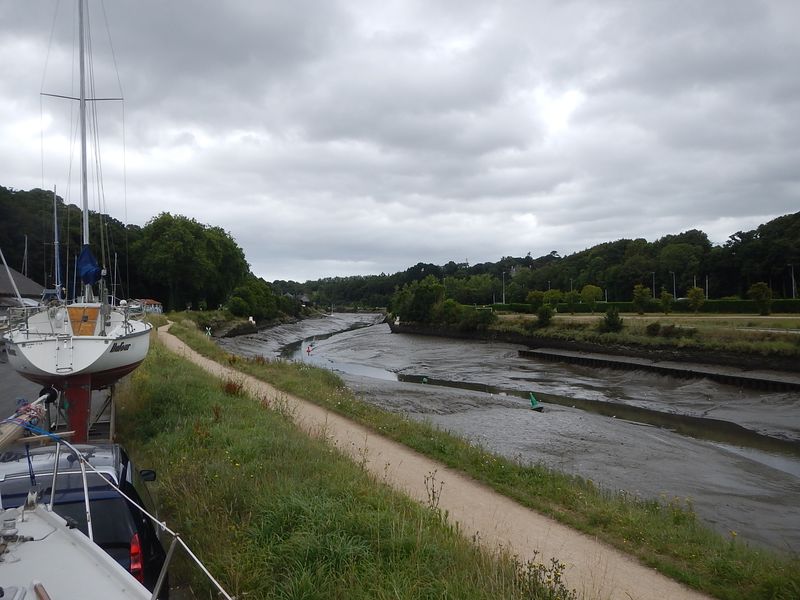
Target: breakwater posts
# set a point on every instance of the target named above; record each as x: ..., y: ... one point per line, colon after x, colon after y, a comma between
x: 761, y: 380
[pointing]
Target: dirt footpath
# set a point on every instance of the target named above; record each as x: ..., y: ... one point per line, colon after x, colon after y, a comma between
x: 594, y: 569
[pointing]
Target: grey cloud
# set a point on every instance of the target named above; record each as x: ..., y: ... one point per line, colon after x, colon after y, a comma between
x: 342, y: 138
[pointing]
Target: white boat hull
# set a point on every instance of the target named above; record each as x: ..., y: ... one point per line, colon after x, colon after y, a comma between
x: 48, y: 559
x: 51, y: 355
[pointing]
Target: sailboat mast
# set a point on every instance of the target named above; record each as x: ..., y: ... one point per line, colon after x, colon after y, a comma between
x: 82, y: 99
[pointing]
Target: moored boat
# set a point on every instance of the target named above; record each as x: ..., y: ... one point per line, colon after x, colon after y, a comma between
x: 42, y: 557
x: 89, y: 343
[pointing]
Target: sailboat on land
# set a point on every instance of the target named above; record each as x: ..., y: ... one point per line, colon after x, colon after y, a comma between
x: 90, y: 343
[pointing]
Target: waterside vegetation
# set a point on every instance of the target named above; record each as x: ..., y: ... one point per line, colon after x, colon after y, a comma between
x: 424, y: 303
x: 663, y: 533
x: 276, y: 514
x: 750, y: 336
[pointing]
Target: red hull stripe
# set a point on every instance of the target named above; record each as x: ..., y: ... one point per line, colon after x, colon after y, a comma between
x: 100, y: 379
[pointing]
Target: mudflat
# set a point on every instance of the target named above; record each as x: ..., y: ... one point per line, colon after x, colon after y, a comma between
x: 594, y: 569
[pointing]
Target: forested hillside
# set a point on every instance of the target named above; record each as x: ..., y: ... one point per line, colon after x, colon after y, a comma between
x: 182, y: 262
x: 673, y: 263
x: 173, y: 258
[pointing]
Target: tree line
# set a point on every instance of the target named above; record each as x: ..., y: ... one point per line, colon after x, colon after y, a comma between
x: 182, y: 262
x: 675, y: 264
x: 173, y: 258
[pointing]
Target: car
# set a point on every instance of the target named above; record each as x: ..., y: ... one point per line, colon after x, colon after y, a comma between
x: 118, y: 527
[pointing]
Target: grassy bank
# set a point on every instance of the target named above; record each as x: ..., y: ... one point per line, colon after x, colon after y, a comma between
x: 275, y: 514
x: 746, y: 335
x: 665, y: 535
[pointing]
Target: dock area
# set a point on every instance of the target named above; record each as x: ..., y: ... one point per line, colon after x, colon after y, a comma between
x: 756, y: 379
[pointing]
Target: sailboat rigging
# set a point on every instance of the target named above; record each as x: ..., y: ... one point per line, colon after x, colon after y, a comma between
x: 89, y: 343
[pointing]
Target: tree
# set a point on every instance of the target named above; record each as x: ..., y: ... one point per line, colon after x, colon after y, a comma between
x: 762, y: 296
x: 641, y: 298
x: 448, y: 312
x: 188, y: 262
x: 591, y: 295
x: 416, y: 300
x: 553, y: 297
x: 571, y: 298
x: 258, y: 298
x: 667, y: 300
x: 696, y: 298
x: 238, y: 306
x: 535, y: 299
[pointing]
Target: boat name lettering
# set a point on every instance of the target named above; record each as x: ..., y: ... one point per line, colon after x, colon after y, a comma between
x: 119, y: 347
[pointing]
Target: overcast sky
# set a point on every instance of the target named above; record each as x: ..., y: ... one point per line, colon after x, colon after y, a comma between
x: 359, y: 137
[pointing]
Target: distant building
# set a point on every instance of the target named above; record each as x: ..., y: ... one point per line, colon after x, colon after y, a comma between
x: 30, y: 291
x: 151, y: 306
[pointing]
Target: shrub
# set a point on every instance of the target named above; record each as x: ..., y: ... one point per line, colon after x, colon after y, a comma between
x: 667, y: 300
x: 675, y: 331
x: 571, y: 299
x: 670, y: 331
x: 611, y: 321
x: 238, y: 306
x: 696, y: 298
x: 762, y: 296
x: 641, y: 298
x: 535, y: 299
x: 652, y: 329
x: 476, y: 320
x: 448, y: 312
x: 544, y: 315
x: 591, y: 295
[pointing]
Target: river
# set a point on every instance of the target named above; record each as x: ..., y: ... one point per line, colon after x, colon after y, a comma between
x: 733, y: 454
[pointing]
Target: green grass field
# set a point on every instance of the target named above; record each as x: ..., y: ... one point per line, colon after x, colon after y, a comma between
x: 777, y: 335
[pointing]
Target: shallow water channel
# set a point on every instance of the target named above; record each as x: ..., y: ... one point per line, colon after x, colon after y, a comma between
x: 733, y: 453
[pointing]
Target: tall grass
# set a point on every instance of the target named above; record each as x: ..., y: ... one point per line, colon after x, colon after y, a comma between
x: 664, y: 534
x: 276, y: 514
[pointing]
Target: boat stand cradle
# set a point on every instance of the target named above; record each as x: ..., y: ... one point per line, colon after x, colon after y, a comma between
x: 70, y: 413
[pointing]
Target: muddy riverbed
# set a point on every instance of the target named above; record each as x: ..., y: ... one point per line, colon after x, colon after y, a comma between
x: 737, y: 461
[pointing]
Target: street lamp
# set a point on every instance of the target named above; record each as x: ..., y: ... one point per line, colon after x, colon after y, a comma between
x: 674, y: 293
x: 570, y: 284
x: 794, y: 287
x: 653, y: 273
x: 504, y: 287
